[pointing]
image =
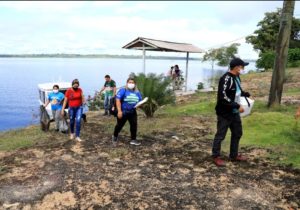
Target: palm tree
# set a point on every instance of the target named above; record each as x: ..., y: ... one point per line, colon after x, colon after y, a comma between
x: 158, y: 90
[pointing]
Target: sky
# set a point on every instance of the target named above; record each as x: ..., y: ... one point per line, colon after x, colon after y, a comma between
x: 99, y: 27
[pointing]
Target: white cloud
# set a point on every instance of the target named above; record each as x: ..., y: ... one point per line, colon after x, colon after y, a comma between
x: 141, y: 7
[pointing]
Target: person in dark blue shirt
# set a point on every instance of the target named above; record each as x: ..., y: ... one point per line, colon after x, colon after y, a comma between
x: 126, y: 100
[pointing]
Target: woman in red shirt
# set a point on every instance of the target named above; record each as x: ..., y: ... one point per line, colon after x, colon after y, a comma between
x: 74, y: 96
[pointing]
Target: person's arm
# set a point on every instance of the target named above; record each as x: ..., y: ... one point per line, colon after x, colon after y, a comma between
x: 46, y: 104
x: 64, y: 106
x: 82, y: 98
x: 101, y: 90
x: 118, y: 104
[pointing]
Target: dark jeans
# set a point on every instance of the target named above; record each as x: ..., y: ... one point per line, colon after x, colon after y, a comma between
x: 132, y: 118
x: 75, y: 114
x: 235, y: 125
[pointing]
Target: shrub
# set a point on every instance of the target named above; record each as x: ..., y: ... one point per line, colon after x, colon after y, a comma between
x: 157, y: 88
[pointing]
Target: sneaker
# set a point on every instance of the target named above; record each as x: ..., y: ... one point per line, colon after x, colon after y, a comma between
x: 135, y: 142
x: 78, y: 139
x: 72, y: 136
x: 114, y: 140
x: 219, y: 162
x: 239, y: 158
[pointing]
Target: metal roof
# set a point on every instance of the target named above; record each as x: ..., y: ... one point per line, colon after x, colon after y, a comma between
x: 159, y: 45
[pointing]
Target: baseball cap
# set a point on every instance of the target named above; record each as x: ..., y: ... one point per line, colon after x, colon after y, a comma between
x: 237, y: 62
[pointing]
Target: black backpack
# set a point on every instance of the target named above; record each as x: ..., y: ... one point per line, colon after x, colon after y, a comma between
x: 113, y: 105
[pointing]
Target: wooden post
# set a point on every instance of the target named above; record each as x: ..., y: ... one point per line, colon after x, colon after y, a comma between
x: 144, y: 59
x: 282, y: 47
x: 186, y: 71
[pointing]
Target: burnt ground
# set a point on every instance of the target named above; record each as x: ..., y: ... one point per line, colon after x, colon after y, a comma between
x: 172, y: 169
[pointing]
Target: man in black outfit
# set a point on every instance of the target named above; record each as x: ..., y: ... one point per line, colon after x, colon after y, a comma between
x: 228, y: 111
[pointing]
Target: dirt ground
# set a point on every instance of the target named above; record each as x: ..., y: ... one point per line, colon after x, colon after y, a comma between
x: 172, y: 169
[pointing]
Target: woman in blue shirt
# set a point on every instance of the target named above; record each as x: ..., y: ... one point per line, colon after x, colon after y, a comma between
x: 56, y: 98
x: 126, y: 100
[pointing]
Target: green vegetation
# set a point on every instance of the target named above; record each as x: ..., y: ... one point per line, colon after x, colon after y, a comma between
x: 222, y: 55
x: 157, y: 89
x: 267, y: 59
x: 264, y: 40
x: 15, y: 139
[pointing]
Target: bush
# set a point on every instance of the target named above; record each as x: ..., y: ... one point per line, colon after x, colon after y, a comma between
x: 157, y: 88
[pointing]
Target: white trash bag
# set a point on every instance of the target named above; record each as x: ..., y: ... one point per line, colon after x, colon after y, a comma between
x: 247, y: 107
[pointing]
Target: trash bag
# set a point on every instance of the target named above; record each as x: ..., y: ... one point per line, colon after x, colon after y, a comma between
x: 44, y: 119
x: 63, y: 125
x: 85, y: 108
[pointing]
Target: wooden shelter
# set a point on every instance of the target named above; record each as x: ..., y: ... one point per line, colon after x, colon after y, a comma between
x: 145, y: 44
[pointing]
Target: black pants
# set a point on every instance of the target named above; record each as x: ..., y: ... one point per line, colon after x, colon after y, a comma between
x: 132, y: 118
x: 235, y: 125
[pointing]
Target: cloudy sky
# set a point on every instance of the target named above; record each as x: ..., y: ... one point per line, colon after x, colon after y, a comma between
x: 104, y: 27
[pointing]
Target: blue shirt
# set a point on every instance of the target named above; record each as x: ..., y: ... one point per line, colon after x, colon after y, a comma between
x: 129, y: 99
x: 55, y: 100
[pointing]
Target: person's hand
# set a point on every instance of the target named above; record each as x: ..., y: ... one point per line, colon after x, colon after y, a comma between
x: 62, y: 112
x: 120, y: 115
x: 247, y: 94
x: 44, y: 105
x: 241, y: 109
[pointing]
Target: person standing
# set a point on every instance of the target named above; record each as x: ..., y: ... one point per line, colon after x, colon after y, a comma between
x: 126, y: 100
x: 110, y: 91
x: 74, y: 96
x: 56, y: 98
x: 228, y: 111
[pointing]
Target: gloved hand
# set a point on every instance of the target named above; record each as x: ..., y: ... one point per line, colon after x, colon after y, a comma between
x: 247, y: 94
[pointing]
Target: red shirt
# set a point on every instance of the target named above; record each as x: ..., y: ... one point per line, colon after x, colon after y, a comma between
x: 74, y: 97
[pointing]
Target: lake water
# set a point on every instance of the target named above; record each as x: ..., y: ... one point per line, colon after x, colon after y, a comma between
x: 20, y: 77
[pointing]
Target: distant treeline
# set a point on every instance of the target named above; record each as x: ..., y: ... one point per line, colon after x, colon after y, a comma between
x: 91, y: 56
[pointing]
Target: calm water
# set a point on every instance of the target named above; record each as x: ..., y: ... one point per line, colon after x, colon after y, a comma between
x: 20, y: 77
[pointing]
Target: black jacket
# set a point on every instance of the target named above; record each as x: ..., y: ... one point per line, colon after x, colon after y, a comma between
x: 226, y: 95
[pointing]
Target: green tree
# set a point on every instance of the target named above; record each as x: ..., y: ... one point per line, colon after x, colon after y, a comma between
x: 157, y: 88
x: 222, y: 55
x: 264, y: 38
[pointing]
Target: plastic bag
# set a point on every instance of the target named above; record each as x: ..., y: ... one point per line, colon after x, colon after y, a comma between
x: 247, y: 107
x: 44, y: 118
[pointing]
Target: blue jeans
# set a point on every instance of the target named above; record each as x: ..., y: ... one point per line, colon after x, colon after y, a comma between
x: 75, y: 114
x: 107, y: 100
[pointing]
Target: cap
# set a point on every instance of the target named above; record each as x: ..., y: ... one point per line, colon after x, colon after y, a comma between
x: 237, y: 62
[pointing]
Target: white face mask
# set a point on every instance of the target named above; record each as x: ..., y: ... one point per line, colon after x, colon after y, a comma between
x: 130, y: 86
x: 55, y: 91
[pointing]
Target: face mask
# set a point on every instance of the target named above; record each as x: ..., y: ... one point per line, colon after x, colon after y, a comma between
x: 55, y: 91
x: 130, y: 86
